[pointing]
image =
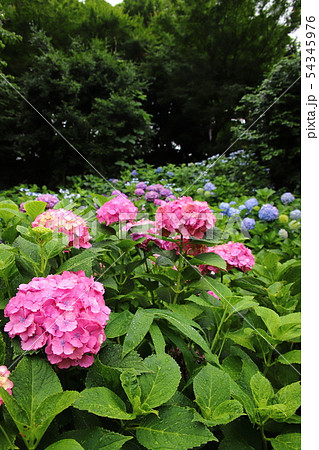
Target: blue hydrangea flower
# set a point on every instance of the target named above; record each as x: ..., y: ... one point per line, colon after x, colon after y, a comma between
x: 282, y: 233
x: 224, y: 207
x: 232, y: 212
x: 268, y: 212
x: 287, y: 198
x: 295, y: 214
x: 251, y: 203
x: 241, y: 207
x: 248, y: 223
x: 159, y: 170
x: 170, y: 174
x: 209, y: 186
x: 232, y: 203
x: 134, y: 173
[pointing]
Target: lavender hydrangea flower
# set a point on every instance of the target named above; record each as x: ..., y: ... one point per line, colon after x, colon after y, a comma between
x: 241, y: 207
x: 224, y: 206
x: 251, y: 203
x: 139, y: 192
x: 232, y: 203
x: 295, y: 214
x: 248, y: 223
x: 209, y: 186
x: 150, y: 196
x: 141, y: 185
x: 159, y: 170
x: 287, y: 198
x: 268, y: 212
x: 232, y: 212
x: 170, y: 174
x: 134, y: 173
x: 49, y: 199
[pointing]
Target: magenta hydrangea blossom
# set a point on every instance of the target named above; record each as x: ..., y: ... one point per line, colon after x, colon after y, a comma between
x: 186, y: 216
x: 118, y: 209
x: 5, y: 383
x: 235, y: 254
x: 65, y: 313
x: 49, y: 199
x: 65, y: 222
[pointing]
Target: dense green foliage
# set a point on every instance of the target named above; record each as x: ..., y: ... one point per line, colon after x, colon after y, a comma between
x: 157, y: 78
x: 180, y: 368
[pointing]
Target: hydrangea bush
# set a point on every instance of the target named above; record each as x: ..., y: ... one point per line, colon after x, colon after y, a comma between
x: 172, y: 323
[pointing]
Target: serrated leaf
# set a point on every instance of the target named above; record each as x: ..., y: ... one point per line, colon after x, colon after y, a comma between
x: 270, y: 319
x: 98, y: 439
x: 102, y: 402
x: 292, y: 357
x: 241, y: 337
x: 111, y: 356
x: 174, y: 430
x: 290, y: 396
x: 65, y: 444
x: 76, y: 263
x: 138, y: 328
x: 261, y: 389
x: 158, y: 339
x: 211, y: 387
x: 118, y: 324
x: 34, y: 207
x: 54, y: 247
x: 224, y: 413
x: 289, y: 441
x: 211, y: 259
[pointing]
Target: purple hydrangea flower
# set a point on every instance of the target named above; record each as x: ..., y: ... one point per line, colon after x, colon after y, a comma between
x: 209, y: 186
x: 141, y: 185
x: 49, y: 199
x: 248, y: 223
x: 151, y: 196
x: 251, y: 203
x: 287, y: 198
x: 117, y: 192
x: 170, y: 197
x: 165, y: 192
x: 268, y: 212
x: 295, y: 214
x: 134, y: 173
x: 139, y: 192
x: 159, y: 170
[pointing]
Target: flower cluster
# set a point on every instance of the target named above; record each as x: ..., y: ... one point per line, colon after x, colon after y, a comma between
x: 251, y: 203
x: 283, y: 234
x: 66, y: 313
x: 235, y: 254
x: 118, y: 209
x: 295, y: 214
x: 49, y: 199
x: 287, y: 198
x: 154, y: 193
x: 248, y: 223
x: 65, y: 222
x: 5, y: 383
x: 186, y: 216
x: 268, y: 212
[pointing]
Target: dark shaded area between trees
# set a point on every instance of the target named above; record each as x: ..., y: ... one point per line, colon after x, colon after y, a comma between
x: 168, y: 81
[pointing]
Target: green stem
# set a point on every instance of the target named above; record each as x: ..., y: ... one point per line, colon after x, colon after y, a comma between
x: 43, y: 263
x: 268, y: 363
x: 263, y: 437
x: 216, y: 337
x: 12, y: 446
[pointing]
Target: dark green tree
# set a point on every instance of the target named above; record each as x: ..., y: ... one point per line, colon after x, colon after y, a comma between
x: 274, y: 140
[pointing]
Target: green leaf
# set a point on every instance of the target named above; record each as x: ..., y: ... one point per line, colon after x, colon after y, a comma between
x: 207, y: 395
x: 163, y: 261
x: 270, y: 319
x: 77, y: 262
x: 118, y: 324
x: 261, y: 389
x: 2, y: 350
x: 289, y: 441
x: 290, y: 327
x: 183, y: 326
x: 293, y: 357
x: 224, y: 413
x: 111, y: 356
x: 102, y: 402
x: 251, y: 284
x: 244, y: 303
x: 210, y: 284
x: 290, y: 396
x: 242, y: 337
x: 138, y: 328
x: 34, y: 208
x: 65, y: 444
x: 174, y: 430
x: 54, y: 247
x: 98, y: 439
x: 211, y: 259
x: 158, y: 339
x: 160, y: 385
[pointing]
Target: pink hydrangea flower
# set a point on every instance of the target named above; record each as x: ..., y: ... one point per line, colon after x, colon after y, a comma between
x: 64, y: 313
x: 5, y: 383
x: 186, y: 216
x: 148, y: 229
x: 68, y: 223
x: 213, y: 294
x: 49, y: 199
x: 118, y: 209
x: 235, y: 254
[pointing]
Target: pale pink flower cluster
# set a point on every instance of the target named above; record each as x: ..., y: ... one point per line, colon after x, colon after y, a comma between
x: 5, y: 383
x: 235, y: 254
x: 65, y: 313
x: 186, y: 216
x: 118, y: 209
x: 68, y: 223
